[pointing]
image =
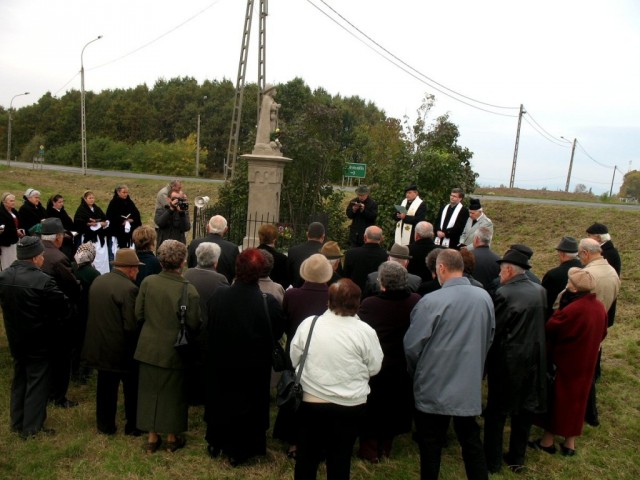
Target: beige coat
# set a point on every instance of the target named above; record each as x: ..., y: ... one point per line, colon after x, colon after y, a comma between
x: 607, y: 281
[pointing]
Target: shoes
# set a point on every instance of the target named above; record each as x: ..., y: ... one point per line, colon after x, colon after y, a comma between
x: 514, y: 467
x: 152, y: 447
x: 66, y: 403
x: 134, y: 432
x: 214, y: 452
x: 566, y: 451
x: 535, y: 444
x: 179, y: 443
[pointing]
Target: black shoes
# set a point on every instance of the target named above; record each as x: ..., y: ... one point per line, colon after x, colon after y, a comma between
x: 177, y: 444
x: 566, y: 451
x: 535, y: 444
x: 65, y: 403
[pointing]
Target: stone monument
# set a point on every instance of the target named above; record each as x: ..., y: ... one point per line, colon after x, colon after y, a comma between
x: 265, y: 170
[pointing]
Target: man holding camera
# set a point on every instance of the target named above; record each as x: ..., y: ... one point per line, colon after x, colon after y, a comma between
x: 363, y: 211
x: 173, y: 219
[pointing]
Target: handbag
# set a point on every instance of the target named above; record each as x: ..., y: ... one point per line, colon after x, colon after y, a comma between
x: 279, y: 359
x: 184, y: 344
x: 289, y: 391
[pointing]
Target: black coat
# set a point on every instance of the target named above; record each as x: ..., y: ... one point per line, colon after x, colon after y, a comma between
x: 83, y: 216
x: 419, y: 251
x: 228, y: 254
x: 239, y: 368
x: 487, y: 268
x: 32, y: 307
x: 62, y: 214
x: 10, y: 234
x: 453, y: 233
x: 359, y: 262
x: 555, y: 281
x: 361, y: 219
x: 279, y: 272
x: 611, y: 255
x: 172, y: 225
x: 296, y: 256
x: 30, y: 215
x: 516, y: 363
x: 117, y: 211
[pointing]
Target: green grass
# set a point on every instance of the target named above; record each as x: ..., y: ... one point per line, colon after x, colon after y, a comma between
x: 606, y: 452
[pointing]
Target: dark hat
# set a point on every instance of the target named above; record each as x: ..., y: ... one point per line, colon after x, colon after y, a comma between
x: 29, y: 247
x: 413, y: 186
x: 51, y: 226
x: 568, y: 244
x: 331, y: 250
x: 125, y: 257
x: 597, y: 229
x: 399, y: 251
x: 516, y: 257
x: 362, y: 190
x: 474, y: 204
x: 522, y: 248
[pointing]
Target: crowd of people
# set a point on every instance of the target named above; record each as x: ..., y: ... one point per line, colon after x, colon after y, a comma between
x: 389, y: 339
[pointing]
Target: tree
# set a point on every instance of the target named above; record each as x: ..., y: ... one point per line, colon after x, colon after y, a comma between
x: 631, y: 185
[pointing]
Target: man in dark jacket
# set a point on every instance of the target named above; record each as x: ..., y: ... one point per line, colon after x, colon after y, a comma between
x: 420, y: 249
x: 299, y: 253
x: 555, y: 280
x: 111, y: 340
x: 359, y: 262
x: 516, y: 366
x: 32, y: 306
x: 216, y: 228
x: 66, y: 336
x: 363, y: 211
x: 487, y: 268
x: 451, y: 220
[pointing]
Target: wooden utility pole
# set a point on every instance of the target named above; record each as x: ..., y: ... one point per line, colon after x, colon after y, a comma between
x: 515, y: 150
x: 573, y: 151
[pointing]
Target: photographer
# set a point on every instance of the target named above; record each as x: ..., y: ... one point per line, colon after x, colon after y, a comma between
x: 363, y: 211
x: 173, y: 219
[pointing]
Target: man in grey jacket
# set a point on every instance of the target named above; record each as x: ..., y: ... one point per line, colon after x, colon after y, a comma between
x: 446, y: 346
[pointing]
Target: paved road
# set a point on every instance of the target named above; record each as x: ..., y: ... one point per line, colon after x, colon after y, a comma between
x: 110, y: 173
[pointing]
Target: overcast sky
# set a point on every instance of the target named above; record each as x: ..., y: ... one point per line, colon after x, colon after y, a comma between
x: 573, y: 64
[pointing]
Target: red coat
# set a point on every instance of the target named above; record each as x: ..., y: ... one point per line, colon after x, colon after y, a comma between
x: 574, y: 335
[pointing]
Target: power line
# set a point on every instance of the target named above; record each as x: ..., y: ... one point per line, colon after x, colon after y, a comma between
x: 401, y: 62
x: 534, y: 120
x: 541, y: 132
x: 70, y: 80
x: 593, y: 159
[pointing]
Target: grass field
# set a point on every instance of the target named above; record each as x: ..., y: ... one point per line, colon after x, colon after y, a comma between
x: 606, y: 452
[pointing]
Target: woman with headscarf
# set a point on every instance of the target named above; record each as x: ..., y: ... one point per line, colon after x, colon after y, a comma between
x: 390, y: 403
x: 10, y: 230
x: 55, y: 209
x: 574, y: 334
x: 91, y: 224
x: 162, y: 400
x: 242, y: 326
x: 343, y: 354
x: 31, y: 212
x: 123, y: 216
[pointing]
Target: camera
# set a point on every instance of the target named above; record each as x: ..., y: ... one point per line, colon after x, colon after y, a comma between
x: 182, y: 204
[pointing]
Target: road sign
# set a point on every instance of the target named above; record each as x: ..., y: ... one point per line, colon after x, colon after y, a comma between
x: 355, y: 170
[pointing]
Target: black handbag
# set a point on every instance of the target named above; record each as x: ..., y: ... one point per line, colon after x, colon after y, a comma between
x: 289, y: 391
x: 184, y: 343
x: 279, y: 359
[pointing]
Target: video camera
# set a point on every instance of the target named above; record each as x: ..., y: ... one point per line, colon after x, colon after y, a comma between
x: 182, y: 204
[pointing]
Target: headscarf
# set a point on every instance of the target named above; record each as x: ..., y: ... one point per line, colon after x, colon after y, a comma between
x: 86, y: 253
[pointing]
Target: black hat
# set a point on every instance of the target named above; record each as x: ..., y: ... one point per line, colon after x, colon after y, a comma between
x: 522, y: 248
x: 474, y: 204
x: 29, y: 247
x: 516, y: 257
x: 362, y: 190
x: 51, y: 226
x: 568, y: 244
x: 413, y: 186
x: 597, y: 229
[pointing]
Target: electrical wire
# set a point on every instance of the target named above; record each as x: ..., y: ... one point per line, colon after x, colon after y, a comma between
x: 542, y: 128
x: 542, y: 134
x: 593, y: 159
x: 70, y: 80
x: 398, y: 63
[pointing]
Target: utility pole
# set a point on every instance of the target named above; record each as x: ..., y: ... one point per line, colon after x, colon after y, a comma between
x: 612, y: 180
x: 9, y: 127
x: 83, y: 114
x: 515, y: 150
x: 573, y: 151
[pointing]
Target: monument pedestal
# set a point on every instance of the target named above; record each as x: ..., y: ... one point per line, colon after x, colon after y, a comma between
x: 265, y: 186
